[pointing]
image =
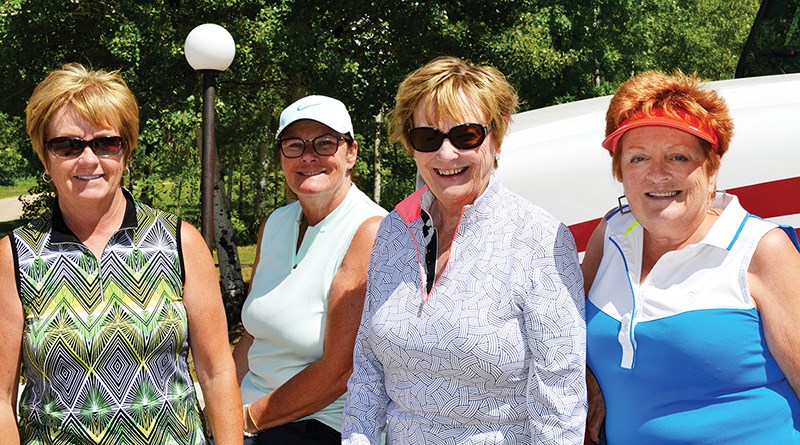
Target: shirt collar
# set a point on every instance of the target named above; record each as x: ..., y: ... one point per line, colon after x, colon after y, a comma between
x: 427, y: 198
x: 727, y: 227
x: 410, y: 208
x: 721, y: 235
x: 62, y: 234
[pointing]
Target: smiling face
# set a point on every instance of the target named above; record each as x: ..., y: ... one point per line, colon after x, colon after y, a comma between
x: 312, y: 175
x: 456, y: 177
x: 87, y: 177
x: 666, y: 179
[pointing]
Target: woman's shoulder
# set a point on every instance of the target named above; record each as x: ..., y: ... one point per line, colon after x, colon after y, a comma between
x: 34, y: 231
x: 524, y: 211
x: 364, y: 203
x: 286, y: 214
x: 149, y: 216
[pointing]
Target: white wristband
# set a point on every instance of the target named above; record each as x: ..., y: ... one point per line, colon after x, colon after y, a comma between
x: 247, y: 416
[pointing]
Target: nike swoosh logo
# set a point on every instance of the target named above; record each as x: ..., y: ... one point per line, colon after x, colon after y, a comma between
x: 301, y: 107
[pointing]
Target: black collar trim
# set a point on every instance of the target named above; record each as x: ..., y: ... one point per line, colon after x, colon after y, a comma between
x: 61, y: 233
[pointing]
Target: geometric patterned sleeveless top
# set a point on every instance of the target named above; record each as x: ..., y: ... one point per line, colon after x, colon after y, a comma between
x: 105, y: 343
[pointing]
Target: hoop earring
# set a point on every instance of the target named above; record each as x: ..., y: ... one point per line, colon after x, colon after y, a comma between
x: 127, y: 173
x: 624, y: 207
x: 711, y: 200
x: 46, y: 177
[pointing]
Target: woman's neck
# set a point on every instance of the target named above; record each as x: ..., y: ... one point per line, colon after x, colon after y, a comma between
x: 317, y: 208
x: 94, y: 223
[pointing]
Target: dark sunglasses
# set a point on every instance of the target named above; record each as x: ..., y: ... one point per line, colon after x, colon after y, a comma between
x: 463, y: 137
x: 68, y: 147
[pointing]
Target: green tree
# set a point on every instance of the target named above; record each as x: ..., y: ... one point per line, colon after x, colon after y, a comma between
x: 622, y: 38
x: 356, y: 50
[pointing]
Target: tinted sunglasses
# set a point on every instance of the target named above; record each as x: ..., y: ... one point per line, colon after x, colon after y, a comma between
x: 463, y: 137
x: 68, y: 147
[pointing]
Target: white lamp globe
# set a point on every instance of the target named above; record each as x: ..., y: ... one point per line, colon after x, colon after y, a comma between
x: 209, y: 47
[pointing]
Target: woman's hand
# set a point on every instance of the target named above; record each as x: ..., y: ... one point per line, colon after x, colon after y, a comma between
x: 597, y: 410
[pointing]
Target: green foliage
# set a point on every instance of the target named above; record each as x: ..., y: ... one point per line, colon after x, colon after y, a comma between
x: 13, y: 164
x: 355, y: 50
x: 621, y: 38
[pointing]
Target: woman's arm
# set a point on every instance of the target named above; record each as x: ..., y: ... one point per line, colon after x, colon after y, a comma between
x: 12, y: 322
x: 240, y: 352
x: 325, y: 380
x: 596, y: 414
x: 597, y: 409
x: 774, y: 280
x: 556, y: 332
x: 242, y: 347
x: 365, y: 409
x: 211, y: 351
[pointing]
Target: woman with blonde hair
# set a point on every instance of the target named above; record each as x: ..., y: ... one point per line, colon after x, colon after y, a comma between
x: 103, y: 297
x: 473, y: 327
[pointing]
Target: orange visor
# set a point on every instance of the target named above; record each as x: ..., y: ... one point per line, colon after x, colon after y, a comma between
x: 680, y: 120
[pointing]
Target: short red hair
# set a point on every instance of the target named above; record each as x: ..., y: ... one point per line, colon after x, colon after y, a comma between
x: 674, y: 93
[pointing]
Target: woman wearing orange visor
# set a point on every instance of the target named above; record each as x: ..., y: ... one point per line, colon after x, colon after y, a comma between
x: 693, y: 303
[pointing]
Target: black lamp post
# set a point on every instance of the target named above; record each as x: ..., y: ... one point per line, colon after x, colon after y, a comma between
x: 209, y: 50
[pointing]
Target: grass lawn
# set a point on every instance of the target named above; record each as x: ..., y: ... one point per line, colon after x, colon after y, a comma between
x: 247, y: 255
x: 19, y: 188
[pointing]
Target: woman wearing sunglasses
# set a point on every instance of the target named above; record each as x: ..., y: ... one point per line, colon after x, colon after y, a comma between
x: 101, y: 294
x: 307, y: 288
x: 472, y: 331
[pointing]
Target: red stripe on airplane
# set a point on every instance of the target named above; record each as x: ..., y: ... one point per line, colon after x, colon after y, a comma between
x: 767, y: 200
x: 582, y: 232
x: 770, y: 199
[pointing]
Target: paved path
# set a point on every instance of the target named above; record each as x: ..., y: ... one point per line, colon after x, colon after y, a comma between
x: 10, y: 209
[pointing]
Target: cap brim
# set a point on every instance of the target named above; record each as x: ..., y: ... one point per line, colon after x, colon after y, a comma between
x: 343, y: 129
x: 612, y: 140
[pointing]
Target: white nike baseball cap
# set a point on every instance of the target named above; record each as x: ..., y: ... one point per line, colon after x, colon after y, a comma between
x: 325, y: 110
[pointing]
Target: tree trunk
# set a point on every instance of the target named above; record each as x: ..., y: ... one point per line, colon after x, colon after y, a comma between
x: 376, y: 194
x: 263, y: 181
x: 230, y: 269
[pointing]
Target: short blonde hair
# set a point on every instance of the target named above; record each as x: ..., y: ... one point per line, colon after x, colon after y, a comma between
x: 100, y: 97
x: 440, y: 83
x: 652, y: 90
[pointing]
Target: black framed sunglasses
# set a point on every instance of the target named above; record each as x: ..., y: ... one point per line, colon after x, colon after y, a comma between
x: 463, y: 137
x: 325, y: 145
x: 70, y: 147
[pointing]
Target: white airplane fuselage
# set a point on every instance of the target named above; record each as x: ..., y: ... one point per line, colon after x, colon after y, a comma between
x: 552, y: 156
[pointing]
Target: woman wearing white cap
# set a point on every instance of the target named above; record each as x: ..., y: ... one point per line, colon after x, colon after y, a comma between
x: 307, y: 288
x: 693, y: 303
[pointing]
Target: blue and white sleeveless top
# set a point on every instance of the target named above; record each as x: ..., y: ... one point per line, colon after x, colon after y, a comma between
x: 681, y: 357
